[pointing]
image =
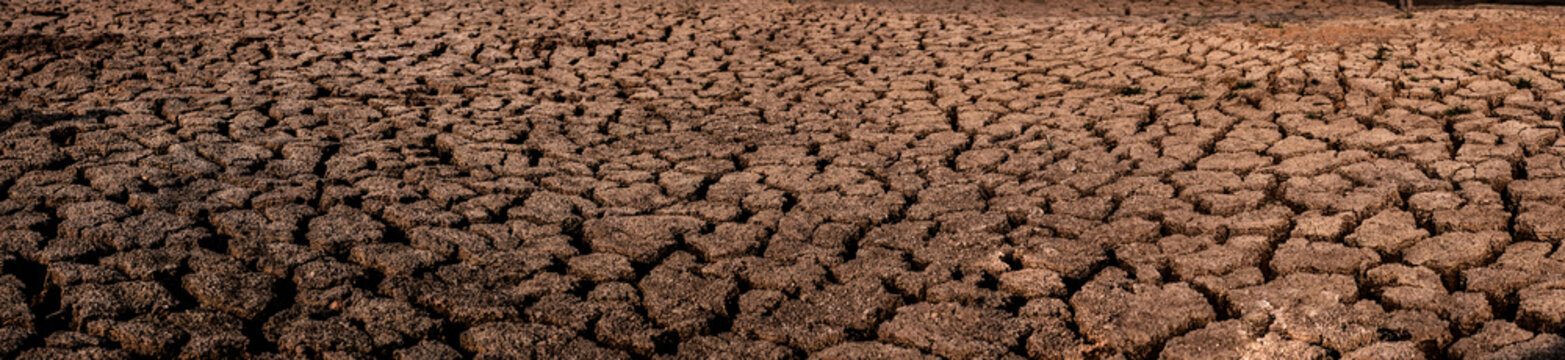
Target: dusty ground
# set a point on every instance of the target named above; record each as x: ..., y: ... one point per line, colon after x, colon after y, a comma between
x: 884, y: 179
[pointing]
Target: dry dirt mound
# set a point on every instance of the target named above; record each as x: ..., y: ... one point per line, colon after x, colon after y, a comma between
x: 625, y: 180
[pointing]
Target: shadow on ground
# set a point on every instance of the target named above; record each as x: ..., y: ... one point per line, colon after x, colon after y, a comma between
x: 33, y: 43
x: 11, y: 117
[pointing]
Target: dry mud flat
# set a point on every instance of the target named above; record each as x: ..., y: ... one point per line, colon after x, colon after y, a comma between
x: 619, y: 180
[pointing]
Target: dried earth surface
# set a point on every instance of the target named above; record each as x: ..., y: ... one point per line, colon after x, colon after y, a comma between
x: 769, y: 180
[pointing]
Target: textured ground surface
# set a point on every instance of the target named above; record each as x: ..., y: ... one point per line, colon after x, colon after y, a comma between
x: 888, y: 179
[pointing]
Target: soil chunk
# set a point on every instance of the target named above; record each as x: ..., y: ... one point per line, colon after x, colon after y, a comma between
x: 243, y: 295
x: 1134, y: 318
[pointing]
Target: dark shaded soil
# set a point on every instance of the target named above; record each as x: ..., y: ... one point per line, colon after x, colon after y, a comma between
x: 765, y: 180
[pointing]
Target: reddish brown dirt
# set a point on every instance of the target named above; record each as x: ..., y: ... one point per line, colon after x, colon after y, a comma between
x: 763, y: 180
